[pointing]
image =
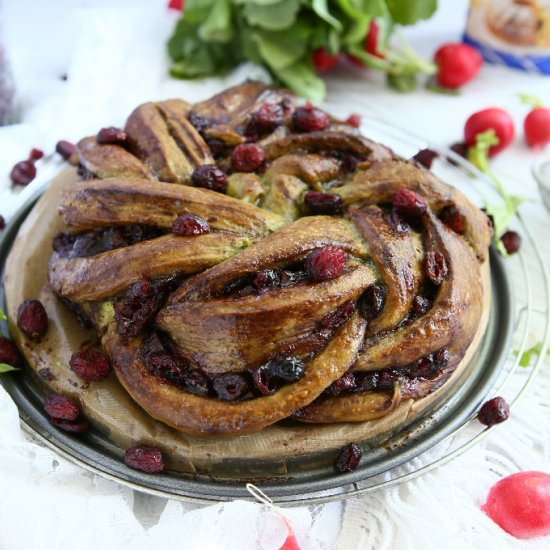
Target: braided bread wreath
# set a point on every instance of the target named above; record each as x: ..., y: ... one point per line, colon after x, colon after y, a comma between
x: 340, y: 313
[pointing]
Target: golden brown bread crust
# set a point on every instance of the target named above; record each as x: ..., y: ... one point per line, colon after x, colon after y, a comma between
x: 216, y: 321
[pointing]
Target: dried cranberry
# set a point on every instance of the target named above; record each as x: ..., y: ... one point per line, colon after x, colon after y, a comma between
x: 218, y: 148
x: 453, y: 219
x: 366, y: 381
x: 345, y: 383
x: 511, y: 241
x: 78, y: 426
x: 424, y: 368
x: 146, y: 459
x: 372, y: 301
x: 325, y: 263
x: 287, y: 369
x: 350, y: 162
x: 436, y: 267
x: 396, y: 222
x: 460, y: 148
x: 2, y: 222
x: 324, y: 203
x: 494, y: 411
x: 387, y: 378
x: 268, y: 117
x: 310, y: 119
x: 61, y: 407
x: 247, y: 157
x: 441, y: 358
x: 335, y: 319
x: 111, y: 136
x: 230, y: 386
x: 267, y: 278
x: 188, y: 225
x: 421, y: 305
x: 32, y: 319
x: 349, y: 458
x: 139, y: 304
x: 9, y: 353
x: 36, y: 154
x: 263, y: 380
x: 426, y: 157
x: 408, y: 202
x: 23, y: 173
x: 66, y: 149
x: 196, y: 381
x: 162, y: 364
x: 210, y: 177
x: 91, y: 365
x: 354, y: 120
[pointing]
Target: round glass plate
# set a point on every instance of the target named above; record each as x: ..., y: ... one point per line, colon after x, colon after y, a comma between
x: 440, y: 434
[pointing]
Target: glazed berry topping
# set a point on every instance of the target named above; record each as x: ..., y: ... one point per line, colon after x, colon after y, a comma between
x: 408, y: 202
x: 111, y: 136
x: 511, y: 241
x: 66, y: 149
x: 61, y: 407
x: 267, y: 278
x: 344, y: 384
x: 91, y: 365
x: 210, y: 177
x: 349, y: 458
x: 453, y: 219
x: 230, y: 386
x: 494, y: 411
x: 421, y: 305
x: 188, y: 225
x: 23, y: 173
x: 366, y: 381
x: 9, y: 353
x: 32, y: 319
x: 424, y: 368
x: 310, y: 119
x: 372, y: 301
x: 36, y: 154
x: 426, y: 157
x: 435, y: 267
x: 247, y: 157
x: 286, y: 369
x: 160, y: 363
x: 325, y: 263
x: 146, y: 459
x: 78, y: 426
x: 268, y: 117
x: 354, y: 120
x: 323, y: 203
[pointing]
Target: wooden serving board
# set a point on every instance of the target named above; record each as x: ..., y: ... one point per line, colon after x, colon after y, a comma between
x: 107, y: 405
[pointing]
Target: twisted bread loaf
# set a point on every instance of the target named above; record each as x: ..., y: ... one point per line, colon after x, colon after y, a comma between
x: 327, y: 282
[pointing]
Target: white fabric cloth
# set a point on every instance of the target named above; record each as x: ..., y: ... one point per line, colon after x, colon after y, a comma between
x: 114, y: 55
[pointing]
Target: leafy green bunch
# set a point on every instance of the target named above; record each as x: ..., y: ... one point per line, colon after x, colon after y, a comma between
x: 213, y: 36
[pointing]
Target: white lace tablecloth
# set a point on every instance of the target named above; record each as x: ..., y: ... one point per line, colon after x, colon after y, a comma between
x: 114, y: 56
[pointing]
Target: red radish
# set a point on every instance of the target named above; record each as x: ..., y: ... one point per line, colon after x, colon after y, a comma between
x: 457, y: 64
x: 372, y: 40
x: 520, y: 504
x: 354, y: 120
x: 371, y: 45
x: 492, y: 118
x: 324, y: 61
x: 536, y: 127
x: 176, y: 5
